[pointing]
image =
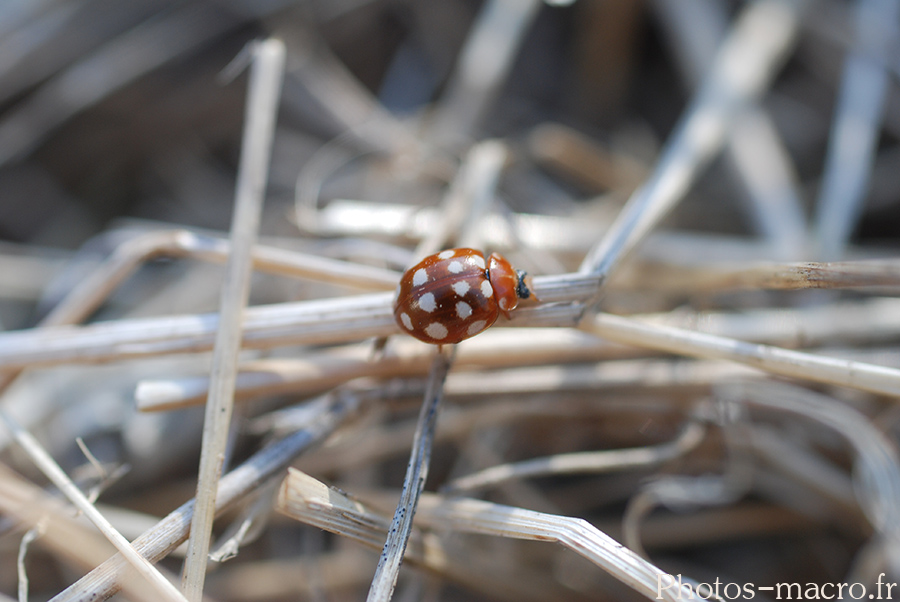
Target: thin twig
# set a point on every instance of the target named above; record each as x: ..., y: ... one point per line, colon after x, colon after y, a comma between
x: 30, y: 535
x: 262, y: 104
x: 388, y: 568
x: 591, y: 462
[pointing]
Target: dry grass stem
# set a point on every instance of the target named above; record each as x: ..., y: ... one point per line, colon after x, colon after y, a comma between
x: 875, y: 276
x: 784, y: 362
x: 289, y: 323
x: 754, y: 151
x: 328, y: 573
x: 29, y: 537
x: 68, y: 538
x: 304, y: 322
x: 388, y: 569
x: 162, y: 586
x: 857, y: 127
x: 105, y: 580
x: 468, y: 197
x: 118, y: 63
x: 404, y: 356
x: 460, y: 424
x: 159, y: 335
x: 482, y: 68
x: 874, y: 321
x: 581, y: 463
x: 744, y: 65
x: 130, y: 255
x: 877, y: 472
x: 89, y: 294
x: 306, y: 377
x: 582, y: 158
x: 476, y: 516
x: 266, y: 72
x: 305, y: 499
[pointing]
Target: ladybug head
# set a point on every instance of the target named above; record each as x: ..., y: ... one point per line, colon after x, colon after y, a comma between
x: 523, y: 285
x: 509, y: 284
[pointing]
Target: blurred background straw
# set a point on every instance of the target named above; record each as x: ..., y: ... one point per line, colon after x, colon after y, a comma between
x: 705, y: 191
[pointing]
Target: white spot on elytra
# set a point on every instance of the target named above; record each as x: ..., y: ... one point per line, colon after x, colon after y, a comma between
x: 404, y: 317
x: 477, y: 260
x: 486, y: 289
x: 427, y: 302
x: 446, y: 254
x: 460, y: 288
x: 436, y: 330
x: 463, y: 310
x: 420, y: 277
x: 475, y: 327
x: 455, y: 267
x: 503, y: 304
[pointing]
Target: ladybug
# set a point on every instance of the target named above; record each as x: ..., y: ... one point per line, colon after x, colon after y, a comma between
x: 455, y: 294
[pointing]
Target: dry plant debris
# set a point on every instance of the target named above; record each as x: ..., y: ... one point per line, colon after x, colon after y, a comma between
x: 705, y: 389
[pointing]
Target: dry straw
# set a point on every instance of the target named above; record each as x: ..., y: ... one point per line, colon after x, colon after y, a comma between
x: 266, y: 72
x: 702, y: 378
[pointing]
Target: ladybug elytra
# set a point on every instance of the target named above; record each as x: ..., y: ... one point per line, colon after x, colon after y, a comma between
x: 455, y: 294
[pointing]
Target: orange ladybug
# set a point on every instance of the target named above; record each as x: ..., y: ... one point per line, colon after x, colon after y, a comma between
x: 455, y: 294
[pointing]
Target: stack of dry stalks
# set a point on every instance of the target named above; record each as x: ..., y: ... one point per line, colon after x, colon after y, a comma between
x: 673, y: 409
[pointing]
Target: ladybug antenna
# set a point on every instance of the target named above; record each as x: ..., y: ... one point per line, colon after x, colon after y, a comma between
x: 522, y: 290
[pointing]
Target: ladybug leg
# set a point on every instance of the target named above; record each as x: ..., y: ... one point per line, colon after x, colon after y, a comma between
x: 378, y: 347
